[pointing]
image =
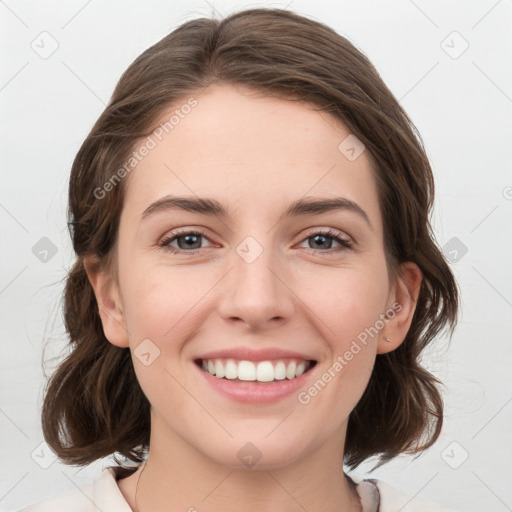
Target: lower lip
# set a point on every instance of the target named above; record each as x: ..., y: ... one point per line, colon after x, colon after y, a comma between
x: 256, y: 392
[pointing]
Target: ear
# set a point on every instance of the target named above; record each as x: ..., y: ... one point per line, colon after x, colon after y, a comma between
x: 108, y: 298
x: 401, y: 307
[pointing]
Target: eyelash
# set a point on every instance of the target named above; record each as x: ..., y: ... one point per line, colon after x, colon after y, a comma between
x: 329, y: 233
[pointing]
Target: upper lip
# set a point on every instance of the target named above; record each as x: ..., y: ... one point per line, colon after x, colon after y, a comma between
x: 248, y: 354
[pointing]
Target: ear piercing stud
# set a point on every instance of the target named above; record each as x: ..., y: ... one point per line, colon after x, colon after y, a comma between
x: 386, y: 338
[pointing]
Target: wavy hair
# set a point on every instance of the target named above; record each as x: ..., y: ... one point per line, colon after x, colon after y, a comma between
x: 93, y: 405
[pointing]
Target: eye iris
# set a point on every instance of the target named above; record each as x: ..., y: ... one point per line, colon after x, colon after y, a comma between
x: 190, y: 240
x: 324, y: 237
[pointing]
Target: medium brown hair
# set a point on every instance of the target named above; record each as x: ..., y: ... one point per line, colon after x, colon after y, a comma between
x: 94, y: 406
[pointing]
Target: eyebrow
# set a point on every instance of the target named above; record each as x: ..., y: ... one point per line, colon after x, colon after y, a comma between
x: 303, y: 206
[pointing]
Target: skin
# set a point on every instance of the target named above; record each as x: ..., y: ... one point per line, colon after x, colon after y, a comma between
x: 255, y: 154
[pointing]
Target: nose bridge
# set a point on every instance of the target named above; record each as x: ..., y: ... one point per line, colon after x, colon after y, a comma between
x: 255, y: 291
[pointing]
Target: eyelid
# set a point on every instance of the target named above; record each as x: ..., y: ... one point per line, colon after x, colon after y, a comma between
x: 346, y: 242
x: 326, y: 230
x: 178, y: 232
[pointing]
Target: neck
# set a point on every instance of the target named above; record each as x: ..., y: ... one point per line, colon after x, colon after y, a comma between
x: 182, y: 479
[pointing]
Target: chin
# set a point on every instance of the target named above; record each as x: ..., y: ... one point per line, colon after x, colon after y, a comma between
x: 260, y: 454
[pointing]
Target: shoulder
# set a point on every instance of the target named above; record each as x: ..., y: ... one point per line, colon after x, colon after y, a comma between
x: 101, y: 494
x: 379, y: 496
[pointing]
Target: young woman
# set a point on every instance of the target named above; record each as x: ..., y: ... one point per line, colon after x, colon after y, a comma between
x: 255, y: 281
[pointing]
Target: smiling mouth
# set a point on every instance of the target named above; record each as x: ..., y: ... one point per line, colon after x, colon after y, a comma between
x: 255, y: 371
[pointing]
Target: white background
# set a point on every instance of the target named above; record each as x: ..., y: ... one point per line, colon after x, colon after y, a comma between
x: 462, y: 107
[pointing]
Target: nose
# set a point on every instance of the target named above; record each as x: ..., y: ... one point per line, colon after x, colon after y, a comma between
x: 258, y: 292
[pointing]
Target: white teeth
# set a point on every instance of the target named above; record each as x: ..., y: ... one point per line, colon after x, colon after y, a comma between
x: 265, y: 371
x: 301, y: 368
x: 246, y: 370
x: 262, y: 371
x: 290, y: 370
x: 231, y: 369
x: 219, y: 369
x: 280, y: 371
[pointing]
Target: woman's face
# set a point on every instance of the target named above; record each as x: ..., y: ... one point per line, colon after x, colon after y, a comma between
x: 258, y: 282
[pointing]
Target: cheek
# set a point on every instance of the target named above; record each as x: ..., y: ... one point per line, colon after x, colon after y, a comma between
x: 349, y: 309
x: 163, y: 309
x: 159, y: 301
x: 350, y: 303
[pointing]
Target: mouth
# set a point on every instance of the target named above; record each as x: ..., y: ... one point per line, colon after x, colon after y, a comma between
x: 255, y: 372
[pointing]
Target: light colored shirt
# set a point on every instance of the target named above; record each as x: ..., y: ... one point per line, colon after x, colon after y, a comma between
x: 104, y: 494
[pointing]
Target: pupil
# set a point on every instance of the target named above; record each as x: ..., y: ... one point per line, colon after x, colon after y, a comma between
x: 321, y: 237
x: 189, y: 240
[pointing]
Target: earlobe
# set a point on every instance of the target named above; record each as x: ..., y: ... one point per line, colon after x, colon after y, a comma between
x: 109, y: 303
x: 402, y: 308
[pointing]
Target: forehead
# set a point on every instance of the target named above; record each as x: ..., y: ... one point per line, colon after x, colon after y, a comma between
x: 245, y: 147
